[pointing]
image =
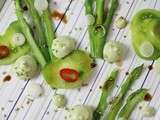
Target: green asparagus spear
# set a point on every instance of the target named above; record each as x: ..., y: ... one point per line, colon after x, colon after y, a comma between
x: 38, y: 29
x: 113, y: 8
x: 131, y: 103
x: 117, y: 103
x: 26, y: 31
x: 99, y: 31
x: 89, y: 6
x: 48, y: 31
x: 106, y: 89
x: 100, y: 11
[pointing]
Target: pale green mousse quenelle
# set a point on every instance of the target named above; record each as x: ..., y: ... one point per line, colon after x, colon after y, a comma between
x: 145, y: 29
x: 78, y: 112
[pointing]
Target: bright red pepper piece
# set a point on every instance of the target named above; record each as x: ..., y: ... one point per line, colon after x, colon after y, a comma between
x: 69, y: 75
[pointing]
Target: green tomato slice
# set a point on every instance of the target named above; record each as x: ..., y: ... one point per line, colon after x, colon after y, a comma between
x: 78, y: 60
x: 6, y: 39
x: 145, y: 29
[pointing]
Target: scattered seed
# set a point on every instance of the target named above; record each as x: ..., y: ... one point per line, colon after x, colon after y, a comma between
x: 47, y: 112
x: 150, y: 67
x: 7, y: 78
x: 10, y: 101
x: 127, y: 73
x: 2, y: 108
x: 4, y: 73
x: 17, y: 109
x: 84, y: 84
x: 147, y: 97
x: 93, y: 65
x: 25, y: 8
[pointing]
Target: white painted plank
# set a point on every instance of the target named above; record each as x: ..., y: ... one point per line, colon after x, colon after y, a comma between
x: 17, y: 86
x: 76, y: 27
x: 73, y: 101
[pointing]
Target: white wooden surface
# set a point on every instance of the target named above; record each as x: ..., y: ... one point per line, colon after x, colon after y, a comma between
x: 14, y: 104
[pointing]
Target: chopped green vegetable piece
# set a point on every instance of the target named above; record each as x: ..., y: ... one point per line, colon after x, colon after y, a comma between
x: 145, y: 28
x: 131, y: 103
x: 118, y: 102
x: 15, y: 51
x: 106, y: 89
x: 77, y: 60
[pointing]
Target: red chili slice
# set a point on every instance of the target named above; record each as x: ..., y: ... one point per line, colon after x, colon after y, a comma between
x: 4, y: 51
x: 69, y: 75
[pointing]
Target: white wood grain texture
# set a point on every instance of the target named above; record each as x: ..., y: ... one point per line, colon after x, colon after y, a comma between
x: 75, y: 97
x: 60, y: 114
x: 43, y: 108
x: 19, y: 85
x: 136, y: 61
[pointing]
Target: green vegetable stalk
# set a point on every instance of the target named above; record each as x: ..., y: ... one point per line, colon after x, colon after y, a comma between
x: 39, y: 31
x: 48, y: 30
x: 99, y: 30
x: 106, y: 89
x: 118, y: 102
x: 131, y: 103
x: 27, y: 32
